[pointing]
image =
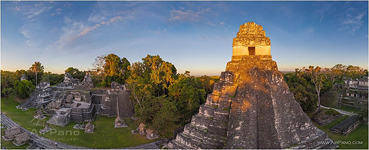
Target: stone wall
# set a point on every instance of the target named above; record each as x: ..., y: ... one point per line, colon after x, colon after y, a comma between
x: 251, y: 36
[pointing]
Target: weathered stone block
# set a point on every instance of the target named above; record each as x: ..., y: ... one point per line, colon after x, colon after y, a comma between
x: 200, y: 122
x: 189, y: 141
x: 206, y: 111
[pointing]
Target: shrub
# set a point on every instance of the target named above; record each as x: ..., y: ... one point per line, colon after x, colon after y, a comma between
x: 23, y: 88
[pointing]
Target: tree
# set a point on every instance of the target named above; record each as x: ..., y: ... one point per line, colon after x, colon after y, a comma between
x: 98, y: 65
x: 188, y: 95
x: 7, y: 79
x: 23, y: 88
x: 354, y: 72
x: 125, y: 69
x: 116, y: 69
x: 7, y: 92
x: 53, y: 78
x: 36, y: 68
x: 153, y: 70
x: 207, y: 83
x: 164, y: 121
x: 19, y: 73
x: 317, y: 77
x: 187, y: 73
x: 76, y: 73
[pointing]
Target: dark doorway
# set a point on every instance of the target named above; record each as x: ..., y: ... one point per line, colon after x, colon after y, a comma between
x: 251, y: 50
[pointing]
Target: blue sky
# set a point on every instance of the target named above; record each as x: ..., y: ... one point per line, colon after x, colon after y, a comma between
x: 194, y: 36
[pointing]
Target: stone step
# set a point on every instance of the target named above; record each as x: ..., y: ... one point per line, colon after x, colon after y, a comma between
x: 313, y: 142
x: 219, y: 121
x: 173, y: 144
x: 210, y: 144
x: 200, y: 121
x: 206, y: 110
x: 188, y: 141
x: 193, y: 131
x: 209, y: 139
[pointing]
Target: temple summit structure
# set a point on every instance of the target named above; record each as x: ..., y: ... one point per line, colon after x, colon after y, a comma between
x: 251, y: 107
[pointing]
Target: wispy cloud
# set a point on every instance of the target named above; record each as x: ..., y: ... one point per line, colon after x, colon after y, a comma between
x: 215, y: 23
x: 201, y: 13
x: 189, y: 15
x: 74, y: 31
x: 58, y: 11
x: 28, y: 31
x: 26, y: 34
x: 16, y: 8
x: 158, y: 31
x: 35, y: 13
x: 32, y: 15
x: 353, y: 21
x: 323, y: 9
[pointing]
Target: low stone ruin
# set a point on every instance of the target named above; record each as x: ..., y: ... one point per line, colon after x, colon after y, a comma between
x: 322, y: 119
x: 39, y: 115
x: 89, y: 128
x: 119, y: 123
x: 21, y: 139
x: 79, y: 126
x: 45, y: 130
x: 10, y: 133
x: 347, y: 126
x: 61, y: 118
x: 141, y: 129
x: 16, y: 135
x: 151, y: 134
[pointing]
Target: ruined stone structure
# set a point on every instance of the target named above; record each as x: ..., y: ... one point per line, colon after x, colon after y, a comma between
x: 322, y: 119
x: 87, y: 80
x: 251, y: 106
x: 116, y: 102
x: 10, y: 133
x: 356, y: 93
x: 21, y: 139
x: 250, y: 40
x: 61, y: 118
x: 151, y: 134
x: 23, y: 77
x: 16, y: 134
x: 39, y: 98
x: 119, y: 122
x: 89, y: 128
x: 347, y: 126
x: 75, y: 101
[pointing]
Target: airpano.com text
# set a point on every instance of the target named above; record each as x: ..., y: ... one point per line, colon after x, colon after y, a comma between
x: 341, y: 142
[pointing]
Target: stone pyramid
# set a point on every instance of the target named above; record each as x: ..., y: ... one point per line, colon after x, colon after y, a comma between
x: 251, y: 106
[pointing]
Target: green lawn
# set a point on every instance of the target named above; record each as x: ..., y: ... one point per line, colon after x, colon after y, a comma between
x: 104, y: 136
x: 349, y: 109
x: 10, y: 145
x: 360, y: 134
